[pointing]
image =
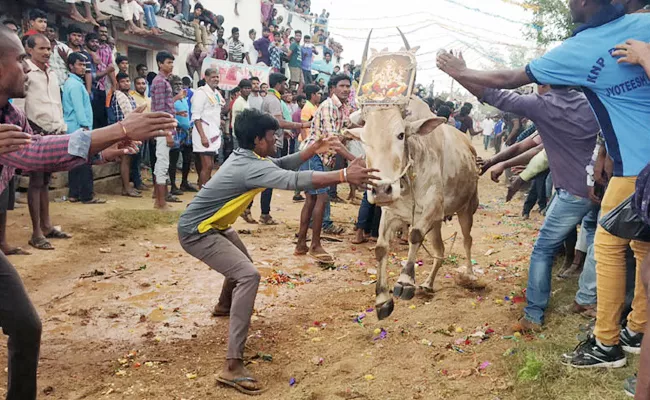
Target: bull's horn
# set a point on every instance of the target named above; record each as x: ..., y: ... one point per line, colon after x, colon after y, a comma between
x: 406, y: 43
x: 365, y: 52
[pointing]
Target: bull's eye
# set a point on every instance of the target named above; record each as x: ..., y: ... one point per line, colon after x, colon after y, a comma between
x: 400, y: 136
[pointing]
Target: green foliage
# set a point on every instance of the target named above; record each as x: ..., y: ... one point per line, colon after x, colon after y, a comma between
x: 554, y: 20
x: 532, y: 368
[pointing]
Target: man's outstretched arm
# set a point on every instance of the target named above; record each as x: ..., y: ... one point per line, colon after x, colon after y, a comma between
x: 504, y: 79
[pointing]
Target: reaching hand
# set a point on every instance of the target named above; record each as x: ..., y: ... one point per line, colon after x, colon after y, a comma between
x: 514, y: 188
x: 451, y: 64
x: 359, y: 175
x: 140, y: 127
x: 12, y: 138
x: 633, y: 52
x: 119, y: 149
x: 485, y: 165
x: 496, y: 173
x: 324, y: 145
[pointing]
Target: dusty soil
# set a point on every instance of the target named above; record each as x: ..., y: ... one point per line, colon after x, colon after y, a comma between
x: 143, y: 329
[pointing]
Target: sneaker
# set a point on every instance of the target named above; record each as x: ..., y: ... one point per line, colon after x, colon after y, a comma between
x: 589, y: 354
x: 629, y: 386
x: 631, y: 343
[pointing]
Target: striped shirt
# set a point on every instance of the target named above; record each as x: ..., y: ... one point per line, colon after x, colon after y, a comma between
x: 161, y: 95
x: 123, y: 104
x: 45, y: 153
x: 236, y: 51
x: 329, y: 120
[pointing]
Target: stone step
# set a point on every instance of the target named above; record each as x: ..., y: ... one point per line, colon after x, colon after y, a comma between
x: 60, y: 179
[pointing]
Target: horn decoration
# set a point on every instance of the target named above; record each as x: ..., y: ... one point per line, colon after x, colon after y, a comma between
x: 406, y: 43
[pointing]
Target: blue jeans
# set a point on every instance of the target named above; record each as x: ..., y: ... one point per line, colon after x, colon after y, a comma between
x: 150, y: 15
x: 565, y: 212
x: 369, y: 217
x: 486, y: 141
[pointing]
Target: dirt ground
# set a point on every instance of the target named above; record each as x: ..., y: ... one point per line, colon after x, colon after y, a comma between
x: 126, y: 315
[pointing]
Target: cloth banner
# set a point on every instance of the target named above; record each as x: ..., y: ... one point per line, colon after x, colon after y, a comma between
x: 231, y: 73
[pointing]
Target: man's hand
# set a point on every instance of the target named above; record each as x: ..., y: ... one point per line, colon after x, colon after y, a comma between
x: 140, y: 127
x: 120, y: 149
x: 514, y: 187
x: 324, y: 145
x: 359, y: 175
x: 110, y: 69
x: 496, y: 173
x: 182, y: 114
x: 487, y: 164
x: 633, y: 52
x: 204, y: 141
x: 593, y: 196
x: 12, y: 138
x: 451, y: 64
x: 306, y: 124
x: 181, y: 95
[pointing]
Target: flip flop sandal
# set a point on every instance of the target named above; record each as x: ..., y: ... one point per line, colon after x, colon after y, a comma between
x: 41, y: 244
x: 95, y: 200
x: 235, y: 384
x: 173, y: 199
x: 300, y: 253
x: 355, y: 241
x: 323, y: 257
x: 131, y: 193
x: 57, y: 234
x: 73, y: 200
x: 17, y: 251
x: 334, y: 230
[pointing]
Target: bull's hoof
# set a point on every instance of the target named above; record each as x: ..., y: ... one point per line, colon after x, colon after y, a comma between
x: 385, y: 309
x: 426, y: 290
x: 404, y: 291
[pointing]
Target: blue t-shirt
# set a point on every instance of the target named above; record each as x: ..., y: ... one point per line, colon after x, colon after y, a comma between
x: 307, y: 56
x: 180, y: 106
x: 619, y: 94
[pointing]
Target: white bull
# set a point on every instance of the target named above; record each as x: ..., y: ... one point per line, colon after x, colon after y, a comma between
x: 428, y: 173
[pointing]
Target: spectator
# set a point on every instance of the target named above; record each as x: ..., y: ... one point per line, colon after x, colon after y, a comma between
x: 262, y: 46
x: 488, y: 129
x: 139, y: 95
x: 241, y: 104
x: 308, y: 51
x: 163, y: 100
x: 255, y: 99
x: 78, y: 114
x: 131, y: 10
x: 276, y: 53
x: 295, y: 62
x: 99, y: 70
x: 250, y: 47
x: 11, y: 25
x: 184, y: 140
x: 219, y: 52
x: 236, y: 48
x: 194, y: 61
x: 313, y: 94
x: 328, y: 121
x: 142, y: 70
x: 466, y: 121
x: 124, y: 104
x: 44, y: 111
x: 264, y: 89
x: 37, y: 22
x: 325, y: 68
x: 122, y: 63
x: 288, y: 142
x: 59, y: 57
x: 337, y: 70
x: 151, y: 8
x: 200, y: 30
x: 273, y: 106
x: 206, y: 115
x: 75, y: 43
x: 74, y: 14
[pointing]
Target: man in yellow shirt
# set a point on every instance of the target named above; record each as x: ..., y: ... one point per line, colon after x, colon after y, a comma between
x: 140, y: 97
x: 313, y: 94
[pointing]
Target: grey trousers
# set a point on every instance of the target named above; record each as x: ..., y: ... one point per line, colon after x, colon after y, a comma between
x: 19, y: 321
x: 224, y: 252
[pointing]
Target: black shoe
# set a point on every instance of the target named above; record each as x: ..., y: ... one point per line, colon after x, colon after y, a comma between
x: 176, y: 192
x: 589, y: 354
x: 188, y: 187
x: 629, y: 343
x: 298, y: 197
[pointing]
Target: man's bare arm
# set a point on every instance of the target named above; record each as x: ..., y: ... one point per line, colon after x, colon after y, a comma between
x: 503, y: 79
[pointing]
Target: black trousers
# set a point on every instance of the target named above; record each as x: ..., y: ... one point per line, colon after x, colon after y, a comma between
x: 173, y: 161
x: 19, y: 321
x: 537, y: 193
x: 80, y: 183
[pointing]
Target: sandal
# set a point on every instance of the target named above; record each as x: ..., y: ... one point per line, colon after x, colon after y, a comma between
x: 216, y: 312
x: 321, y: 257
x: 95, y: 200
x: 40, y: 244
x: 267, y: 220
x: 57, y: 234
x: 173, y: 199
x: 132, y: 193
x: 235, y: 384
x: 248, y: 217
x: 334, y: 230
x: 17, y: 251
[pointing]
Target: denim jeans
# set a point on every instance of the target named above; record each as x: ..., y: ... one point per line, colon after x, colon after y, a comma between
x: 369, y: 217
x: 537, y: 193
x: 486, y: 141
x: 565, y: 212
x: 150, y: 12
x: 316, y: 164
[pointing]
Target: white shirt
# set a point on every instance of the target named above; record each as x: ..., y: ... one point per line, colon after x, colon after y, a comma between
x: 252, y: 53
x: 57, y: 64
x: 43, y: 104
x: 488, y: 127
x: 206, y: 107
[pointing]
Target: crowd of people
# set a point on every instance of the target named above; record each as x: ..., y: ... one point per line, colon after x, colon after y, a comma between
x: 579, y: 134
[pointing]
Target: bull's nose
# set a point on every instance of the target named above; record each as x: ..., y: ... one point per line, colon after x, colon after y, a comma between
x: 385, y: 189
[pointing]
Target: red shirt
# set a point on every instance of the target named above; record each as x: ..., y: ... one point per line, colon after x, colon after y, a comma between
x: 31, y: 32
x: 220, y: 53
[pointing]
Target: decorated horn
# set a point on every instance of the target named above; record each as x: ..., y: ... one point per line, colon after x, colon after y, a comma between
x: 406, y: 43
x: 365, y: 52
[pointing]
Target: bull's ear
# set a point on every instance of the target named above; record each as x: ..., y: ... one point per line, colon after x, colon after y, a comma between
x: 425, y: 126
x: 354, y: 134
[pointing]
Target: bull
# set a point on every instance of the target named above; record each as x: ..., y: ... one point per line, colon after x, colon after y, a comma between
x: 428, y: 172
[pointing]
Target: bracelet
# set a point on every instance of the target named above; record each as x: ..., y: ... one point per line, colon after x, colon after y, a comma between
x: 123, y: 128
x: 341, y: 177
x: 345, y: 174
